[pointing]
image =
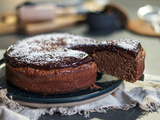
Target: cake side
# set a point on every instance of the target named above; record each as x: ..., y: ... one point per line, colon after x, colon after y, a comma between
x: 55, y: 81
x: 140, y: 62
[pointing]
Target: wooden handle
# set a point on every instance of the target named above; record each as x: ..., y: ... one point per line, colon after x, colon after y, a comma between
x: 141, y: 27
x: 7, y: 28
x: 8, y: 24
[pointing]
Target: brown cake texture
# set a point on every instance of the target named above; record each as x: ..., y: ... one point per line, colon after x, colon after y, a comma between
x: 40, y: 64
x: 123, y: 58
x: 62, y: 63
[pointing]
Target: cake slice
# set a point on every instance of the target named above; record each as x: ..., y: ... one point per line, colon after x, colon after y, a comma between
x: 122, y: 58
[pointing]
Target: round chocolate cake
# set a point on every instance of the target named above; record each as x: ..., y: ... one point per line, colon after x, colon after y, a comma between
x: 40, y: 64
x: 63, y: 63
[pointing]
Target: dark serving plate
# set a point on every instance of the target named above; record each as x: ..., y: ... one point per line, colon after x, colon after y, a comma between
x: 102, y: 81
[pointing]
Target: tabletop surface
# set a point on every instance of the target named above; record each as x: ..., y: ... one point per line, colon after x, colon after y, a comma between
x: 150, y: 44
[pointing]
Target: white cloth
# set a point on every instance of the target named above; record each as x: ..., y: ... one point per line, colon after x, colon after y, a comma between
x: 147, y: 95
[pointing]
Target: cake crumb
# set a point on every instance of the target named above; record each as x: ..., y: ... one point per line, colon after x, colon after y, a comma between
x: 94, y: 86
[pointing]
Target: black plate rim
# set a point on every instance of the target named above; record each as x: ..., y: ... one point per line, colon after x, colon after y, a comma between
x: 68, y: 99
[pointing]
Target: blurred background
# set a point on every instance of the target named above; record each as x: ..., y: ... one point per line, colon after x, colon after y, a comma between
x: 98, y: 19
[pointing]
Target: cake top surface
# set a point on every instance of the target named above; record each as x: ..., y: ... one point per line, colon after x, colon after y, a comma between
x: 130, y: 46
x: 48, y: 51
x: 123, y: 43
x: 62, y: 39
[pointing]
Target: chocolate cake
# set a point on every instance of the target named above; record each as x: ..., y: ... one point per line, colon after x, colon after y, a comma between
x: 40, y: 64
x: 63, y: 63
x: 122, y: 58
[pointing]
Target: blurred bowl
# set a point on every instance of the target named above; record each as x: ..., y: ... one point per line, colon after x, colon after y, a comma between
x: 102, y: 22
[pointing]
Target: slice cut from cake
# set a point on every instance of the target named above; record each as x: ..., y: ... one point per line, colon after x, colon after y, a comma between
x: 123, y: 58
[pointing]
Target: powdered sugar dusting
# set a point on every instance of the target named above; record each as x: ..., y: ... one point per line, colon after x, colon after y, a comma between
x: 127, y: 44
x: 48, y: 48
x: 65, y: 39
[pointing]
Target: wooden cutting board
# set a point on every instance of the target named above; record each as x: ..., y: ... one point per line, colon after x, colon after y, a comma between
x: 56, y: 24
x: 10, y: 24
x: 141, y: 27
